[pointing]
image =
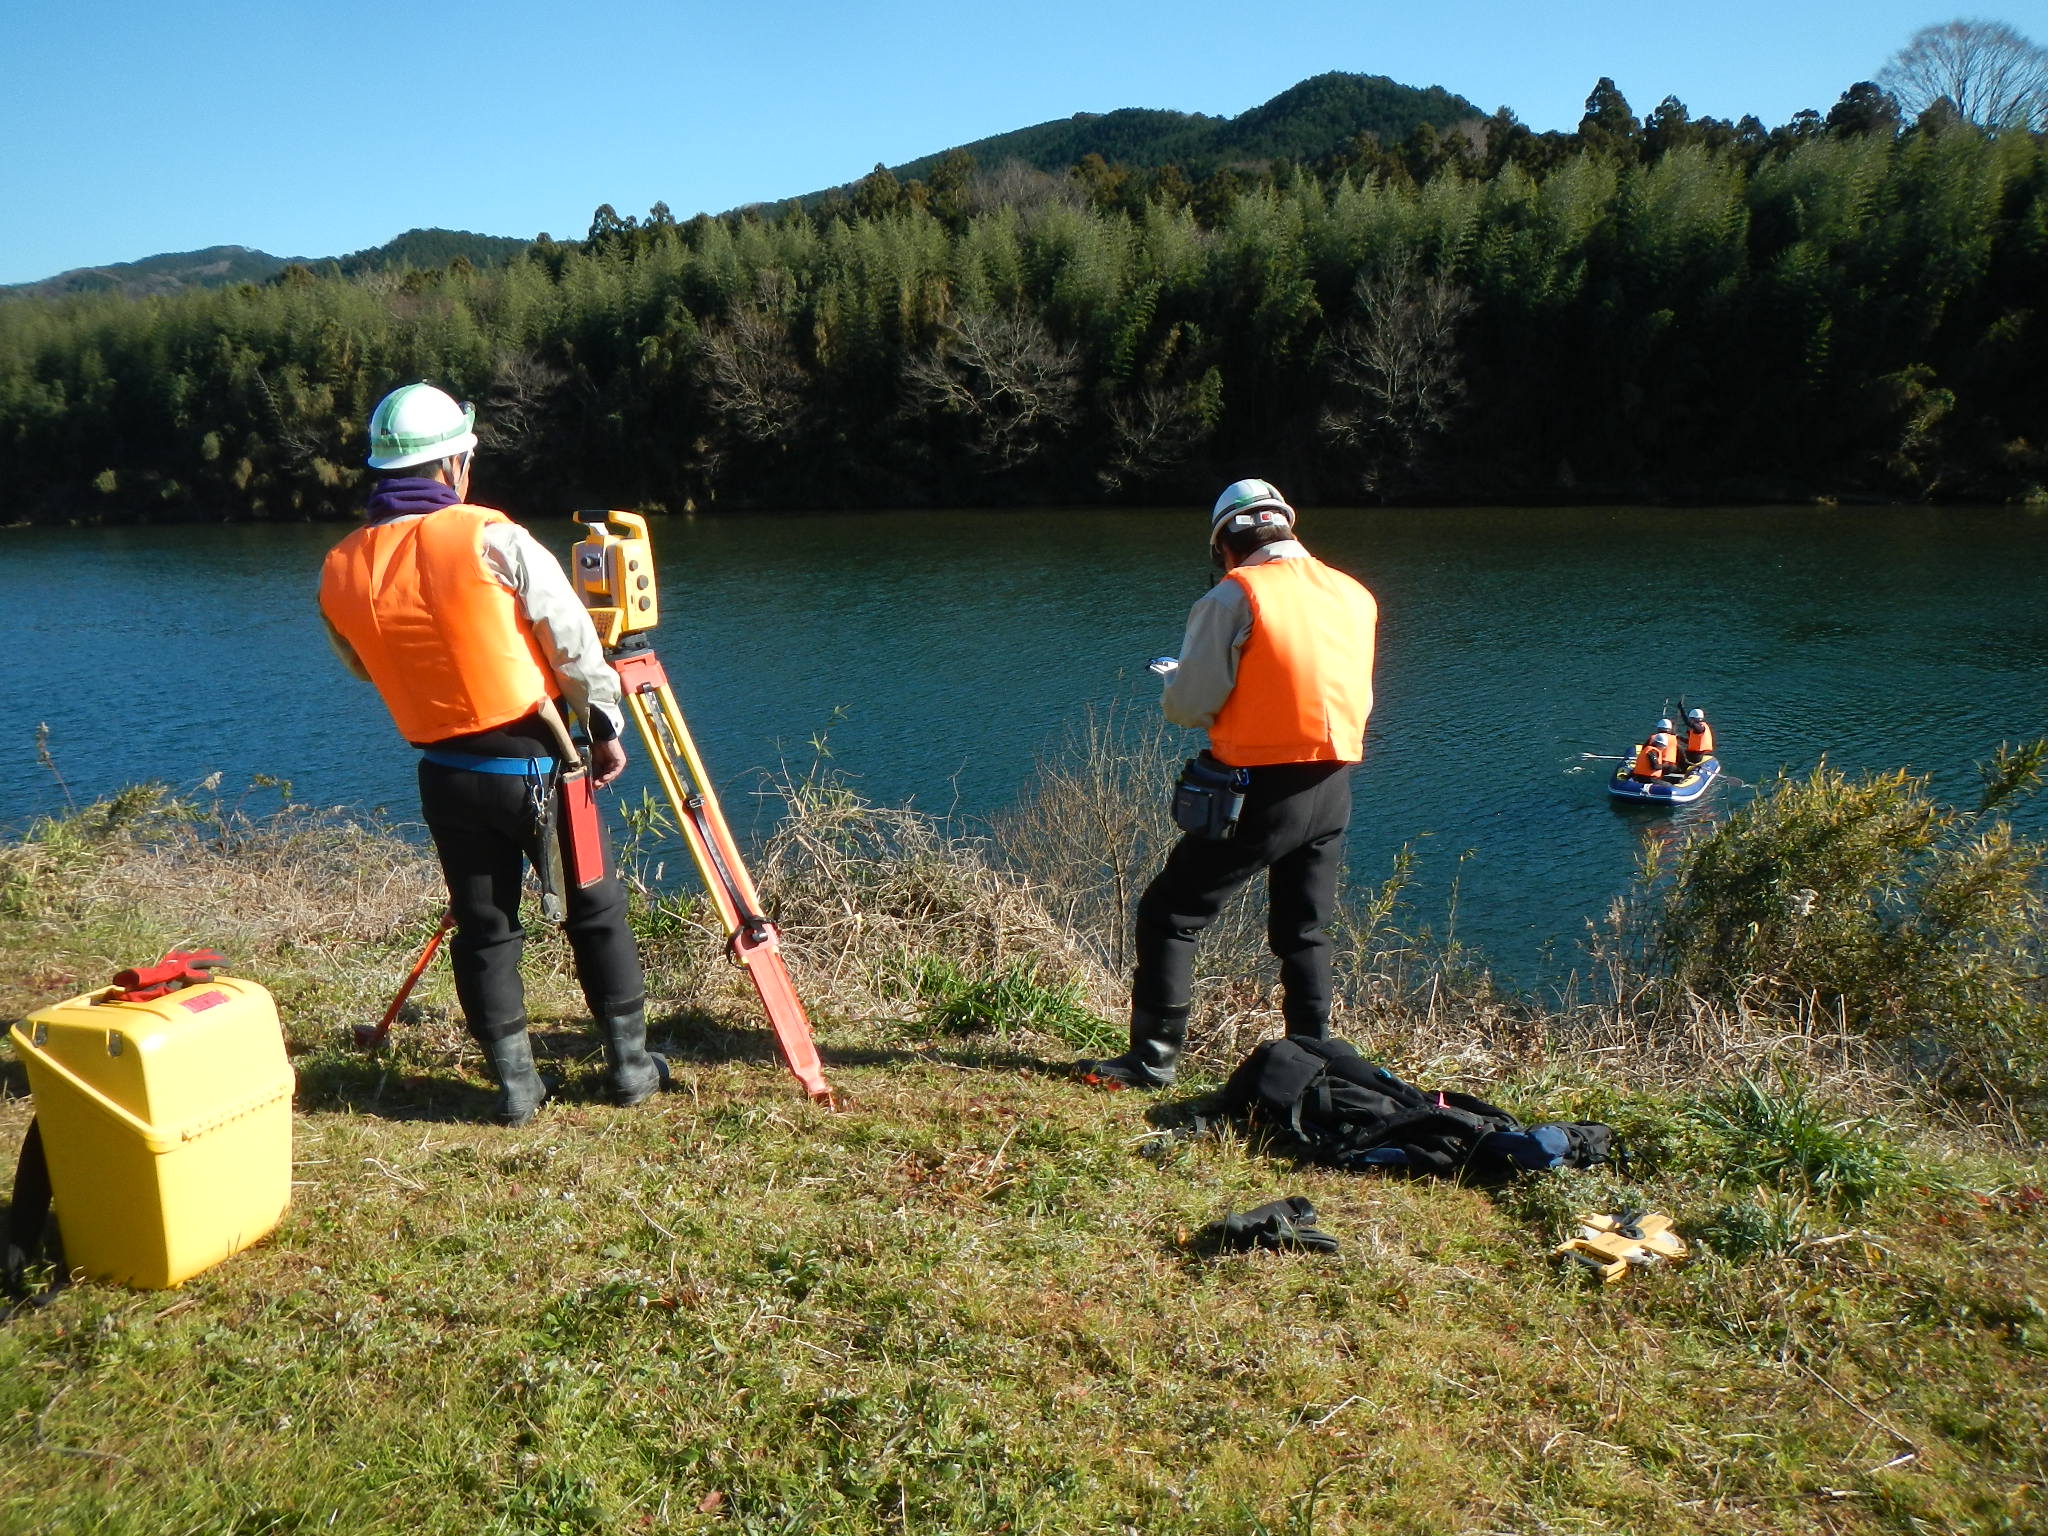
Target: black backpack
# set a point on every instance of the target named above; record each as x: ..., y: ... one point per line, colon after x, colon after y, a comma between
x: 1322, y: 1101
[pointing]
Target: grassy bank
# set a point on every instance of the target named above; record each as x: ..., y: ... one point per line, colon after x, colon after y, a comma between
x: 975, y: 1300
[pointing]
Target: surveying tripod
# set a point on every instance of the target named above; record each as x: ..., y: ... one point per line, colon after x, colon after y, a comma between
x: 614, y: 575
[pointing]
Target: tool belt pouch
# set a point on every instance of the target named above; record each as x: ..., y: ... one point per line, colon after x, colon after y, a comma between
x: 1208, y: 797
x: 584, y: 865
x: 544, y: 851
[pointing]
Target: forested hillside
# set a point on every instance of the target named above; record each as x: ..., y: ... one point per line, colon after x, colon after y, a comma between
x: 223, y: 265
x: 1301, y: 123
x: 1646, y: 308
x: 434, y: 248
x: 213, y: 267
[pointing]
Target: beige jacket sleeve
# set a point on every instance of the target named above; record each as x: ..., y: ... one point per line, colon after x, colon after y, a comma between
x: 1218, y: 626
x: 561, y: 624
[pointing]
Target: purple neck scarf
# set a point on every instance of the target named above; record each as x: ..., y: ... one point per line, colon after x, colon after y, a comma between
x: 405, y: 496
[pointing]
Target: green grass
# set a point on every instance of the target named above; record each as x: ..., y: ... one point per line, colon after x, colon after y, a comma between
x: 965, y: 1303
x: 971, y: 1301
x: 953, y: 999
x: 1777, y: 1133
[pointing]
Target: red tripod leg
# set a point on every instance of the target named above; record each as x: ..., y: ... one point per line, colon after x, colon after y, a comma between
x: 370, y: 1036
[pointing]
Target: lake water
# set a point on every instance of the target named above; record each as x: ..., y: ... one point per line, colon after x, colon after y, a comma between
x: 936, y: 653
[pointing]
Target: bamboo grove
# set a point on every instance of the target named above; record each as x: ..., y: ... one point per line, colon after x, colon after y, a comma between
x: 1659, y: 309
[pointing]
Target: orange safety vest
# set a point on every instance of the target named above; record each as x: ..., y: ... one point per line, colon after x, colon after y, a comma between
x: 1657, y: 754
x: 1699, y: 739
x: 444, y: 643
x: 1304, y: 677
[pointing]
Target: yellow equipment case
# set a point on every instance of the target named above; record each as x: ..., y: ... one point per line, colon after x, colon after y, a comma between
x: 166, y: 1123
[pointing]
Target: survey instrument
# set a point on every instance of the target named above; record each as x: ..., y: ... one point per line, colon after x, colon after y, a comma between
x: 614, y: 575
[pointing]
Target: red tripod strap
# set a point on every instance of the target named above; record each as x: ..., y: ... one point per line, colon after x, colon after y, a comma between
x: 178, y: 968
x: 639, y: 671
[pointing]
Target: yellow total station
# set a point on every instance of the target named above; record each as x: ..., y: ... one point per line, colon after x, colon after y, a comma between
x: 615, y: 579
x: 615, y: 574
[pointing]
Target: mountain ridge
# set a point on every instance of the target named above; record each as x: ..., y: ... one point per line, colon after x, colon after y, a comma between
x: 220, y: 266
x: 1308, y: 120
x: 1314, y: 117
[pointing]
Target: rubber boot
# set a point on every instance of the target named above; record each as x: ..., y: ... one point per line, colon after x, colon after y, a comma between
x: 520, y: 1089
x: 635, y: 1073
x: 1156, y: 1040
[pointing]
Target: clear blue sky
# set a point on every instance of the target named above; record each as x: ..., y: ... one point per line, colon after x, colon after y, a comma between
x: 131, y: 128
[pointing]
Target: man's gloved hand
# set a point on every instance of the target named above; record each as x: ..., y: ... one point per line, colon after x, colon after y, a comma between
x: 607, y: 761
x: 1289, y: 1223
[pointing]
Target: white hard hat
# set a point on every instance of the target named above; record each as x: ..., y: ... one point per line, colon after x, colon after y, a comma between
x: 1240, y: 506
x: 1663, y: 725
x: 1695, y: 714
x: 419, y: 424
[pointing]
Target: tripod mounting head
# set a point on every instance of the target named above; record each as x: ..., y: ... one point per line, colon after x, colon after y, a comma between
x: 614, y: 574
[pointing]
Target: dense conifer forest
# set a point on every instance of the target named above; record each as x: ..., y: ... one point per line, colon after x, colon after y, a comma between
x: 1654, y: 308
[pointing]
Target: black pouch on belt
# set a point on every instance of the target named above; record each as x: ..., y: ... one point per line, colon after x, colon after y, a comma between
x: 1208, y: 797
x: 545, y: 851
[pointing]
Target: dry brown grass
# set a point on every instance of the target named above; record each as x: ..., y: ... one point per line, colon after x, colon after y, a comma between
x: 862, y: 892
x: 250, y: 882
x: 333, y: 910
x: 292, y: 891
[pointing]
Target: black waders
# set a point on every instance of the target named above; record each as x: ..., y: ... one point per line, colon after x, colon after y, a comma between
x: 635, y: 1073
x: 521, y: 1091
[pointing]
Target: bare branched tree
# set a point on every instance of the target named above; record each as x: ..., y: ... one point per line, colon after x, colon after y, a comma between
x: 752, y: 375
x: 1397, y: 363
x: 1987, y: 72
x: 1008, y: 378
x: 1018, y: 184
x: 528, y: 401
x: 1154, y: 429
x: 286, y: 427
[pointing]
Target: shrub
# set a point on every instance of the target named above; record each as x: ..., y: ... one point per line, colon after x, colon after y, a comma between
x: 1866, y: 899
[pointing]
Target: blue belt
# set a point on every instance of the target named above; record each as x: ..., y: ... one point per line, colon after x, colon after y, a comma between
x: 470, y: 762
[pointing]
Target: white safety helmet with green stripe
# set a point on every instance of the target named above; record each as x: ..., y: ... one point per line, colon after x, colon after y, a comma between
x: 419, y: 424
x: 1246, y: 504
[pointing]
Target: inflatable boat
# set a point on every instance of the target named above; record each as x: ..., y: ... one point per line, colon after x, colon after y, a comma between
x: 1666, y: 791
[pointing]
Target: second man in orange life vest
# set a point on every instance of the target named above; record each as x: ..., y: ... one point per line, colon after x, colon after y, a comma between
x: 467, y: 626
x: 1658, y: 754
x: 1277, y: 666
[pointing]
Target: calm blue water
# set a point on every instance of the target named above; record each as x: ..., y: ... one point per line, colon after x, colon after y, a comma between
x: 936, y: 653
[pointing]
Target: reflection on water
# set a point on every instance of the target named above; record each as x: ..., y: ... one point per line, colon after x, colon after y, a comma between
x: 933, y: 654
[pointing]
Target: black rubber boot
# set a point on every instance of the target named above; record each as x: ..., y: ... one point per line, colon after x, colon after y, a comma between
x: 1156, y: 1041
x: 520, y: 1089
x: 635, y: 1073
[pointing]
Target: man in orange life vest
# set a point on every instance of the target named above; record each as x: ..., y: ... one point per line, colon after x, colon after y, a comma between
x: 1699, y: 738
x: 1658, y: 754
x: 1277, y: 666
x: 467, y: 626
